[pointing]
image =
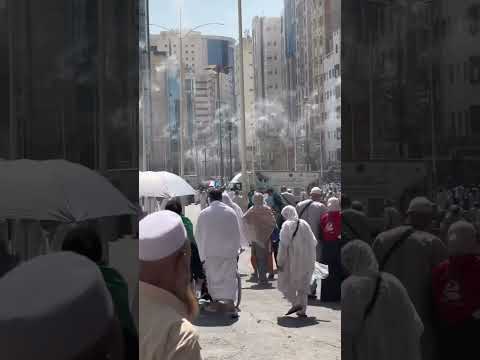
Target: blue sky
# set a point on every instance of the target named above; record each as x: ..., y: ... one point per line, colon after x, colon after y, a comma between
x: 197, y: 12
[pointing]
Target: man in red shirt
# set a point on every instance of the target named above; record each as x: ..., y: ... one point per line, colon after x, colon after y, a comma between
x: 456, y: 291
x: 331, y: 225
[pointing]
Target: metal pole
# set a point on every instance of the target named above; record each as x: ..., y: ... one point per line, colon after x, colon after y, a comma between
x: 370, y: 96
x: 230, y: 150
x: 243, y: 143
x: 220, y: 126
x: 432, y: 121
x: 13, y: 128
x: 182, y: 99
x: 205, y: 159
x: 295, y: 141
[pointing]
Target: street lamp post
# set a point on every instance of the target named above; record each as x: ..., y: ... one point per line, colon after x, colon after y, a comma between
x: 229, y: 125
x: 243, y: 139
x: 217, y: 69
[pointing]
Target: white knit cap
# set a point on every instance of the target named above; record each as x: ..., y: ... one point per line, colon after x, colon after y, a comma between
x: 316, y: 191
x: 161, y: 234
x: 55, y: 306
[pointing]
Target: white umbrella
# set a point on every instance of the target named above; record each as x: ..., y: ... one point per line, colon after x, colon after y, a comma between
x: 163, y: 184
x: 57, y: 190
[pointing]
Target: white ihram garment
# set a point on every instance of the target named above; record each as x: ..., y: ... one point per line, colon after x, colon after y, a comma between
x: 226, y: 199
x: 218, y: 240
x: 296, y: 258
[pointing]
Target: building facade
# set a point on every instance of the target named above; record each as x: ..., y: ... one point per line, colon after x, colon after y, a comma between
x: 201, y: 53
x: 249, y: 93
x: 72, y: 90
x: 417, y: 62
x: 331, y: 138
x: 271, y: 116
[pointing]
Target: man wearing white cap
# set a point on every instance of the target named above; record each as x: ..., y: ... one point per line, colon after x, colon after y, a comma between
x: 218, y: 239
x: 311, y: 211
x: 167, y: 303
x: 58, y: 307
x: 410, y: 253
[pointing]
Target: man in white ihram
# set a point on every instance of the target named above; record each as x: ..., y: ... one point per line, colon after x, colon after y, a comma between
x: 218, y: 239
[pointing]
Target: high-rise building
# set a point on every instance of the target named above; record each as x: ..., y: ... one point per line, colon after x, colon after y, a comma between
x: 201, y: 53
x: 419, y: 70
x: 249, y: 92
x: 290, y: 66
x: 270, y: 108
x: 332, y: 104
x: 309, y: 30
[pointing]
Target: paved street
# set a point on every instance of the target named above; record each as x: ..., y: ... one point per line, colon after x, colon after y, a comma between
x: 262, y: 332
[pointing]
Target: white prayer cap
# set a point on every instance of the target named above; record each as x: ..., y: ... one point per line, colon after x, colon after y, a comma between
x: 333, y: 204
x: 316, y: 191
x: 53, y: 307
x: 421, y: 205
x: 161, y: 234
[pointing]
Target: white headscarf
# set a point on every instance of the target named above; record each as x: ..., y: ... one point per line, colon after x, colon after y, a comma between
x: 358, y: 258
x: 289, y: 213
x: 374, y: 337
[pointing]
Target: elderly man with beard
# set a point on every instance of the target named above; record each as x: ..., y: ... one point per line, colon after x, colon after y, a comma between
x: 167, y: 303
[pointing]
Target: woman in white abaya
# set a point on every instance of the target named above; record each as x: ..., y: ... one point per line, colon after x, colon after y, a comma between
x: 391, y: 330
x: 296, y: 260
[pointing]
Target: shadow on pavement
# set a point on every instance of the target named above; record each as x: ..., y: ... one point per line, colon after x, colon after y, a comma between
x: 294, y: 322
x: 268, y: 286
x: 206, y: 319
x: 328, y: 305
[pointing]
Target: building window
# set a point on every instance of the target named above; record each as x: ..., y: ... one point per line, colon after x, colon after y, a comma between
x: 452, y: 124
x: 460, y: 124
x: 166, y: 45
x: 451, y: 70
x: 274, y: 43
x: 473, y: 14
x: 475, y: 119
x: 475, y: 69
x: 336, y: 48
x: 269, y: 43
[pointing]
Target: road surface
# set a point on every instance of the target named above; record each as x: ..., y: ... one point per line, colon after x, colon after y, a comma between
x: 262, y: 332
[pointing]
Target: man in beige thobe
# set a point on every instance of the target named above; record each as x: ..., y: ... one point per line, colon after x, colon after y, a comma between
x: 167, y: 303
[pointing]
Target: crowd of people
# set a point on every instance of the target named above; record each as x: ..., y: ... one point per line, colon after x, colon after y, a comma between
x: 290, y: 231
x: 412, y: 291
